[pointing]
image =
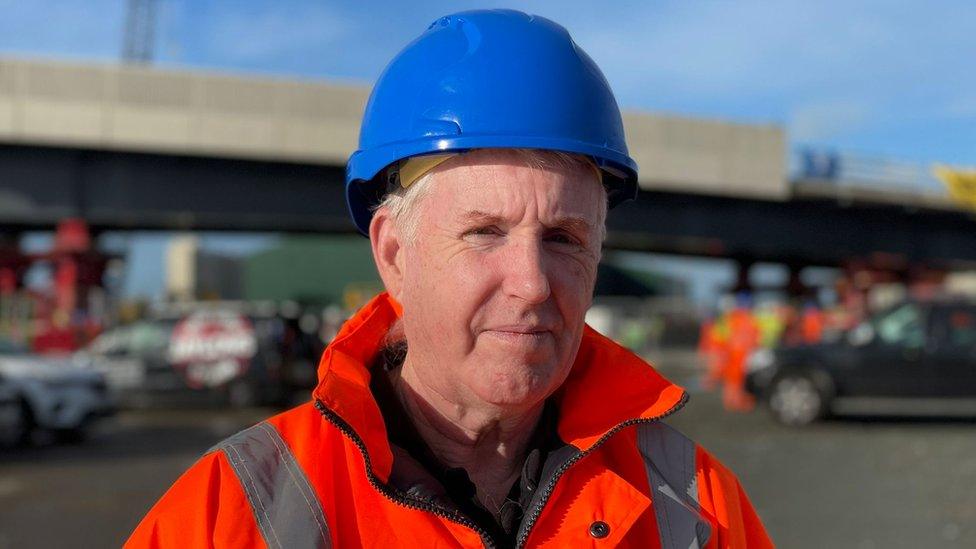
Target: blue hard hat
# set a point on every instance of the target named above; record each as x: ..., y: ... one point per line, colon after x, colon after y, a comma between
x: 488, y: 79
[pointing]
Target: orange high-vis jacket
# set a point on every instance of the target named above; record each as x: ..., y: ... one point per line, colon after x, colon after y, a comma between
x: 319, y: 474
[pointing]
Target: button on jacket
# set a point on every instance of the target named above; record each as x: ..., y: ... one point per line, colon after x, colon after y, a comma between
x: 319, y: 474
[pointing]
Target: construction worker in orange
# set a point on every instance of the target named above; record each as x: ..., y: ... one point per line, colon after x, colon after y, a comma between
x: 743, y: 339
x: 811, y: 324
x: 711, y: 350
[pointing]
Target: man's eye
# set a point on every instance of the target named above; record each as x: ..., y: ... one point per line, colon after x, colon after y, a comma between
x: 483, y: 231
x: 562, y: 238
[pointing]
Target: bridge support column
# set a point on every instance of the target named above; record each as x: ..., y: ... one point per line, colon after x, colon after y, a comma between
x: 742, y: 282
x: 795, y: 288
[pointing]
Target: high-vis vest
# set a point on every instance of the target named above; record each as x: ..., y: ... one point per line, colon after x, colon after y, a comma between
x: 318, y: 475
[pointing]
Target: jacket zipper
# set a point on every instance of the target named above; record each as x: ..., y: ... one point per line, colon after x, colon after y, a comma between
x: 526, y: 527
x: 395, y: 497
x: 421, y: 505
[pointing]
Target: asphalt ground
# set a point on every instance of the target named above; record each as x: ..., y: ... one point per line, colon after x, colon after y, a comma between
x: 92, y: 494
x: 858, y: 483
x: 861, y: 482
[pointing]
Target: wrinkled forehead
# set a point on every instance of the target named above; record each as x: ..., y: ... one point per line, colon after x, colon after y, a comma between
x: 506, y: 182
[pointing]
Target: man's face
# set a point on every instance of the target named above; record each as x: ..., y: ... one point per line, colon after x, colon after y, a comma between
x: 496, y: 283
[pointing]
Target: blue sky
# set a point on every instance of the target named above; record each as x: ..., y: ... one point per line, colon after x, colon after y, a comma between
x: 885, y: 78
x: 881, y: 78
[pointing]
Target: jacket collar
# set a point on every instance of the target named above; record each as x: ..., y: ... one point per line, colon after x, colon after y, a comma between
x: 608, y: 385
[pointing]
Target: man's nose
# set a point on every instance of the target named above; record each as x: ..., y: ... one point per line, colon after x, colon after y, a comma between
x: 526, y: 275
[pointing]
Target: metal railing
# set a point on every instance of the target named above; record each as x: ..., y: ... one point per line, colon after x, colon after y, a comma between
x: 848, y: 174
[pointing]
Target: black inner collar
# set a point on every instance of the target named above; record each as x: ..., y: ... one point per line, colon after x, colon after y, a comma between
x: 461, y: 493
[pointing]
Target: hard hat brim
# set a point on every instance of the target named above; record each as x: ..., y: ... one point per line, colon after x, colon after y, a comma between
x: 365, y: 189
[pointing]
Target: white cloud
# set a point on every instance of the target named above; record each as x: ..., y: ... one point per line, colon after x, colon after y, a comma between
x: 962, y: 106
x: 750, y: 50
x: 826, y: 119
x: 270, y: 31
x: 76, y: 28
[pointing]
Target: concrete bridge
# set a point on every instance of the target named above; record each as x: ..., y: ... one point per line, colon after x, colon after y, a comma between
x: 136, y: 148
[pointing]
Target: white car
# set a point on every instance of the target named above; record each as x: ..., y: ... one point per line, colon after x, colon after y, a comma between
x: 54, y: 393
x: 13, y: 418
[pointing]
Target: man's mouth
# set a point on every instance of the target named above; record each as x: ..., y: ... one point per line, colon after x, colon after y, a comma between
x: 522, y: 329
x: 519, y: 335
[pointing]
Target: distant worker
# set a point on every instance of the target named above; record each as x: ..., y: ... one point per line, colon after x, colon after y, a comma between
x: 807, y: 326
x: 771, y: 319
x: 743, y: 340
x: 812, y: 322
x: 711, y: 350
x: 469, y: 405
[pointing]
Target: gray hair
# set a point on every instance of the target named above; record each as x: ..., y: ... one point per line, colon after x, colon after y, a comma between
x: 402, y: 202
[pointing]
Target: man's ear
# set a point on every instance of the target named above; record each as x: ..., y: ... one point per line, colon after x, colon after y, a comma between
x: 385, y: 239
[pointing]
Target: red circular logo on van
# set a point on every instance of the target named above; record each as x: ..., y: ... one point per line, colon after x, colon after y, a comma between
x: 211, y: 348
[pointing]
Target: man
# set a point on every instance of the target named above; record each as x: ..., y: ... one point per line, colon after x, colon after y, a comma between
x: 469, y: 404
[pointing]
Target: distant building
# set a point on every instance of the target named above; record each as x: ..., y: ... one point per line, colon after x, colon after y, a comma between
x: 313, y: 269
x: 193, y: 274
x: 615, y: 280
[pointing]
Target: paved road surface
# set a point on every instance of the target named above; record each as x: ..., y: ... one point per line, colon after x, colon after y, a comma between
x: 94, y: 493
x: 856, y: 484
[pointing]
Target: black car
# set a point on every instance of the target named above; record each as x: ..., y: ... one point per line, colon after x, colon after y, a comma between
x: 913, y: 358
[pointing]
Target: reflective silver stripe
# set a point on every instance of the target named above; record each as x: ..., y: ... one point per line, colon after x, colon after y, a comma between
x: 284, y: 504
x: 669, y: 458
